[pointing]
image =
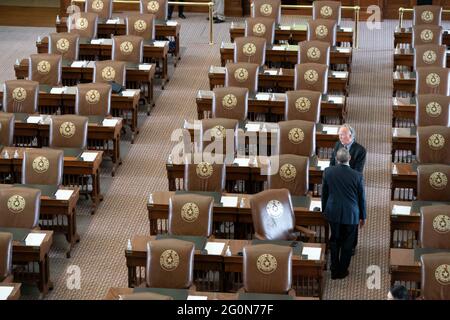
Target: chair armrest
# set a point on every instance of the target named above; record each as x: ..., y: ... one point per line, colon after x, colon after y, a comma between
x: 307, y: 232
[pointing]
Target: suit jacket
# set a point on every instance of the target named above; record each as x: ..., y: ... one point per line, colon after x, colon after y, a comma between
x: 343, y: 197
x: 357, y: 153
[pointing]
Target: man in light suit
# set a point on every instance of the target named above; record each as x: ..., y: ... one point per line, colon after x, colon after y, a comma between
x: 344, y: 206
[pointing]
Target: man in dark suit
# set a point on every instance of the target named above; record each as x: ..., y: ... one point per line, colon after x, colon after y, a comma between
x: 344, y: 206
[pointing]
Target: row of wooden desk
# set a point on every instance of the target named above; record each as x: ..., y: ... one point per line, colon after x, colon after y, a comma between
x: 404, y: 35
x: 405, y: 57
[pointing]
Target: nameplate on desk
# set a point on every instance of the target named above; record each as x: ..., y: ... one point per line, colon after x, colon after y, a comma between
x: 159, y: 43
x: 145, y: 67
x: 58, y: 90
x: 129, y: 93
x: 228, y: 201
x: 315, y: 204
x: 323, y: 164
x: 5, y: 292
x: 62, y: 194
x: 89, y: 156
x: 214, y: 248
x: 330, y: 129
x: 171, y: 23
x: 78, y: 64
x: 401, y: 210
x: 242, y: 162
x: 312, y: 253
x: 109, y: 122
x: 34, y: 119
x: 34, y: 239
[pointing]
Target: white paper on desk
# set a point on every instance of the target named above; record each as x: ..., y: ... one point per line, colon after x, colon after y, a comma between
x: 145, y: 67
x: 34, y: 119
x: 159, y: 43
x: 197, y: 297
x: 285, y: 27
x: 342, y: 49
x: 89, y: 156
x: 406, y: 75
x: 336, y: 99
x: 346, y: 29
x: 57, y: 90
x: 112, y: 21
x: 339, y: 74
x: 323, y: 164
x: 34, y: 239
x: 228, y: 201
x: 263, y: 96
x: 129, y: 93
x: 271, y: 72
x: 5, y: 292
x: 109, y: 122
x: 315, y: 203
x: 313, y: 253
x: 394, y: 169
x: 278, y: 48
x: 214, y: 248
x: 96, y: 41
x: 171, y: 23
x: 253, y: 127
x: 330, y: 129
x: 62, y: 194
x: 78, y: 64
x: 242, y: 162
x: 401, y: 210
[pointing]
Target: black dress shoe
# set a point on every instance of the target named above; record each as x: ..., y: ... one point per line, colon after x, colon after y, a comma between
x: 169, y: 17
x: 182, y: 16
x: 217, y: 20
x: 343, y: 275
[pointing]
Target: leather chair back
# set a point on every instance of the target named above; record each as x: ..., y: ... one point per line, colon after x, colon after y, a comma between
x: 261, y: 27
x: 103, y: 8
x: 292, y: 174
x: 230, y: 103
x: 108, y: 71
x: 432, y: 110
x: 141, y: 25
x: 159, y: 8
x: 6, y: 129
x: 128, y: 49
x: 68, y: 131
x: 314, y: 52
x: 433, y: 144
x: 65, y: 44
x: 435, y: 276
x: 426, y: 34
x: 20, y: 207
x: 430, y: 55
x: 328, y: 10
x: 93, y: 99
x: 303, y: 105
x: 433, y: 182
x: 204, y: 176
x: 42, y: 166
x: 243, y: 75
x: 20, y: 96
x: 267, y: 9
x: 5, y: 255
x: 311, y: 76
x: 217, y: 130
x: 250, y: 49
x: 427, y: 14
x: 45, y: 68
x: 84, y: 24
x: 433, y: 80
x: 322, y: 30
x: 435, y: 227
x: 297, y: 137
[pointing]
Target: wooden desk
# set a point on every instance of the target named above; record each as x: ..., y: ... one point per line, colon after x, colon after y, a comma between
x: 157, y: 50
x: 162, y: 29
x: 405, y: 57
x: 403, y: 176
x: 404, y: 35
x: 135, y: 78
x: 280, y: 80
x: 404, y: 81
x: 403, y: 109
x: 288, y: 55
x: 403, y: 139
x: 239, y: 217
x: 76, y: 172
x: 273, y: 105
x: 229, y: 268
x: 403, y: 268
x: 15, y: 294
x: 292, y: 33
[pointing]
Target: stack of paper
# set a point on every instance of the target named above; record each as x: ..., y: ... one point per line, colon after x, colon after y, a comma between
x: 109, y: 122
x: 145, y: 67
x: 171, y: 23
x: 339, y: 74
x: 57, y: 90
x: 89, y: 156
x: 62, y: 194
x: 96, y: 41
x: 263, y: 96
x: 129, y: 92
x: 214, y: 248
x: 312, y: 253
x: 253, y: 127
x: 271, y: 72
x: 229, y: 201
x: 401, y: 210
x: 197, y: 297
x: 285, y: 27
x: 314, y: 204
x: 78, y: 64
x: 242, y: 162
x: 336, y: 99
x: 330, y: 129
x: 278, y: 48
x: 34, y: 119
x: 34, y: 239
x: 111, y: 21
x: 159, y: 43
x: 323, y: 164
x: 5, y: 292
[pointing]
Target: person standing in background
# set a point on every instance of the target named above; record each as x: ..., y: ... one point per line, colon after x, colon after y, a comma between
x: 180, y: 11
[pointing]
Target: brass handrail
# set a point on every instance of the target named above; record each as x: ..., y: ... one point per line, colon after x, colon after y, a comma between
x: 402, y: 10
x: 195, y: 4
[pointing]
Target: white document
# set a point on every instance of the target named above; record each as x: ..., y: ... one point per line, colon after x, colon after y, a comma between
x: 263, y: 96
x: 278, y: 48
x: 89, y: 156
x: 330, y: 129
x: 242, y: 162
x: 34, y: 119
x: 323, y: 164
x: 401, y: 210
x: 5, y: 292
x: 406, y: 75
x: 34, y: 239
x: 271, y: 72
x: 229, y: 201
x: 336, y: 99
x: 346, y: 29
x: 57, y: 90
x: 171, y: 23
x: 339, y: 74
x: 214, y: 248
x: 145, y: 67
x: 253, y: 127
x: 109, y: 122
x: 111, y: 21
x: 62, y: 194
x: 159, y: 43
x: 313, y: 253
x: 129, y: 93
x: 78, y: 64
x: 315, y: 203
x: 197, y: 297
x: 285, y: 27
x: 342, y: 49
x: 394, y: 169
x: 96, y: 41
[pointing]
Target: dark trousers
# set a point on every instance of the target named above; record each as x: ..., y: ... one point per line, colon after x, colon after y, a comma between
x: 180, y: 10
x: 341, y: 244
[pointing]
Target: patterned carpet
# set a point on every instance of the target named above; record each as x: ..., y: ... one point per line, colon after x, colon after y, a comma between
x: 100, y: 254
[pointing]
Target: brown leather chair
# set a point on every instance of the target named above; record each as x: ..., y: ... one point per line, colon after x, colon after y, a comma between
x: 261, y: 27
x: 250, y: 49
x: 144, y: 296
x: 291, y: 172
x: 107, y: 71
x: 42, y: 166
x: 303, y: 105
x: 6, y: 275
x: 427, y: 14
x: 128, y: 49
x: 243, y: 75
x: 84, y: 24
x: 314, y: 52
x: 6, y: 129
x: 433, y: 144
x: 267, y: 268
x: 297, y: 137
x: 20, y: 96
x: 45, y: 68
x: 65, y: 44
x: 267, y: 9
x: 322, y: 30
x: 204, y: 176
x: 435, y: 227
x: 170, y: 264
x: 141, y: 25
x: 435, y: 276
x: 311, y: 76
x: 68, y: 131
x: 430, y: 55
x: 218, y: 129
x: 157, y: 7
x: 328, y: 10
x: 20, y: 207
x: 93, y: 99
x: 191, y: 215
x: 426, y: 34
x: 432, y: 110
x: 433, y: 80
x: 230, y: 103
x: 433, y: 182
x: 273, y: 216
x: 103, y: 8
